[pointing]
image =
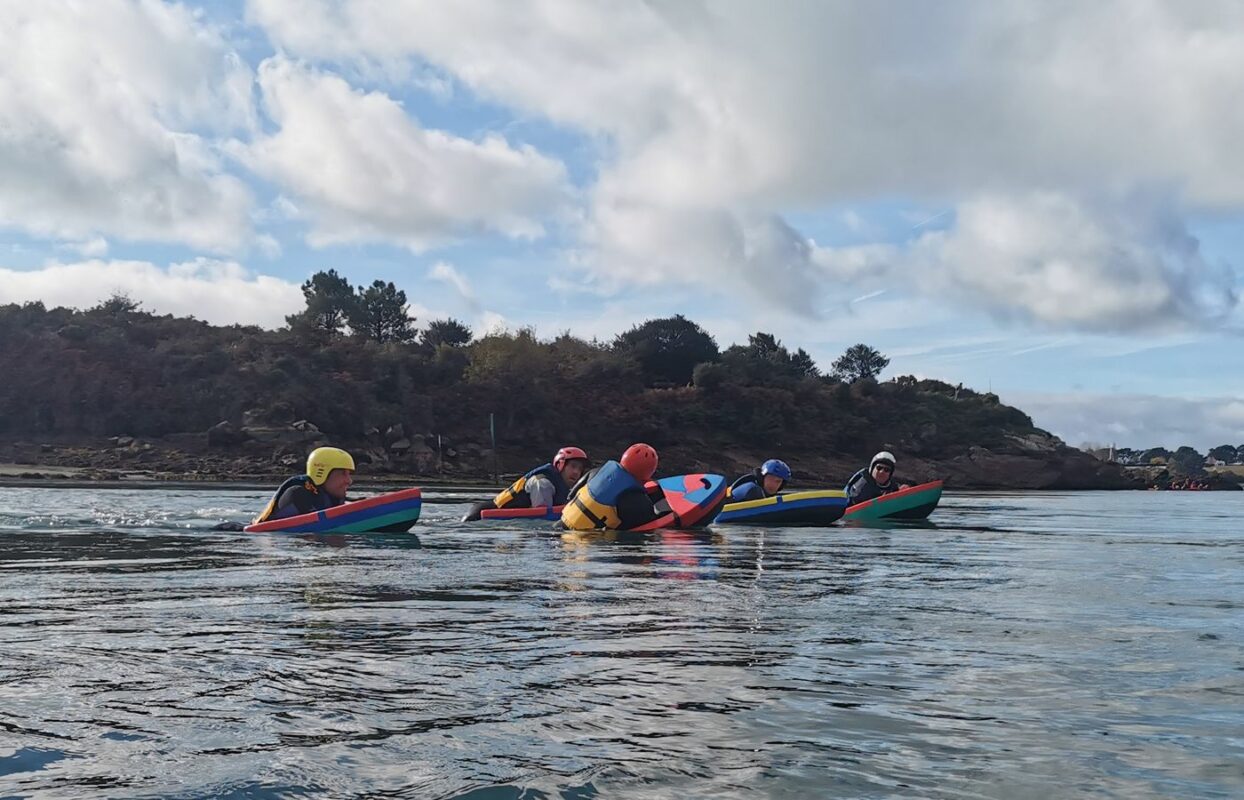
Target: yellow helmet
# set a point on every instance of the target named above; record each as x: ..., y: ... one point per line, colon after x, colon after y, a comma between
x: 324, y: 460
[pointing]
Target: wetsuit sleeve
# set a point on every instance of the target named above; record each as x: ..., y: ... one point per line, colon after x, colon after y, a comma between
x: 635, y: 509
x: 856, y: 489
x: 541, y: 490
x: 747, y: 491
x: 294, y: 501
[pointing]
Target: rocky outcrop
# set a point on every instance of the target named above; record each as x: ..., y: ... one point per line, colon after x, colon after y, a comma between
x: 1032, y: 461
x: 1062, y: 468
x: 225, y: 434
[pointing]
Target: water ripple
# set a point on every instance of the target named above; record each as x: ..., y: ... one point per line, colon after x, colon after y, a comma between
x: 1022, y: 645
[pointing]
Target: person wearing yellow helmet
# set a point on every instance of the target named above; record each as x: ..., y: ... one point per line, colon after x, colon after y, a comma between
x: 330, y: 472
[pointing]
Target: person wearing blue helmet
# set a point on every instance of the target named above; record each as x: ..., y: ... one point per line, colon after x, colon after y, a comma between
x: 760, y: 483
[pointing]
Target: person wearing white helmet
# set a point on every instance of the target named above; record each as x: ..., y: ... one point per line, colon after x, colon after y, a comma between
x: 329, y: 474
x: 877, y: 480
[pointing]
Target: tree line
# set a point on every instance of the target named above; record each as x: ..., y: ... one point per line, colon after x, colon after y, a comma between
x: 1187, y: 459
x: 671, y: 352
x: 353, y: 360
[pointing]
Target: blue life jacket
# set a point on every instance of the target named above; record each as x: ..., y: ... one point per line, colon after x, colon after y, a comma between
x: 595, y: 507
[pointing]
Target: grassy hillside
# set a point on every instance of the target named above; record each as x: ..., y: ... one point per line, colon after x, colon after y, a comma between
x: 85, y: 377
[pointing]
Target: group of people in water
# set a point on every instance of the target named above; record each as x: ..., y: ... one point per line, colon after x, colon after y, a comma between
x: 617, y: 495
x: 1184, y: 485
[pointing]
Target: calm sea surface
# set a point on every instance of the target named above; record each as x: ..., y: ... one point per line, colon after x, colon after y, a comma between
x: 1028, y: 645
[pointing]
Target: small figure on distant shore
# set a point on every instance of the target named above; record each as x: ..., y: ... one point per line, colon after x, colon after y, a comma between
x: 329, y: 474
x: 765, y: 481
x: 875, y: 481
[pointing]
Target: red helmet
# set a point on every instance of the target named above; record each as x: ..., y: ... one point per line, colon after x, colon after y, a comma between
x: 566, y: 454
x: 640, y: 460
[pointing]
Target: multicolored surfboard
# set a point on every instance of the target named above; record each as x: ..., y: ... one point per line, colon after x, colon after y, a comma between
x: 916, y: 502
x: 806, y: 509
x: 395, y: 512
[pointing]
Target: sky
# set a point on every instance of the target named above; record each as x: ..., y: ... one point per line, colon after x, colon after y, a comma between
x: 1040, y: 199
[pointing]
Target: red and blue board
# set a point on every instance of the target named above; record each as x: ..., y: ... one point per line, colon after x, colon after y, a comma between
x: 693, y: 500
x: 395, y: 512
x: 539, y: 512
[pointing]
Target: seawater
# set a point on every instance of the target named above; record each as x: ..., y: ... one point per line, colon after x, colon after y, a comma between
x: 1023, y: 645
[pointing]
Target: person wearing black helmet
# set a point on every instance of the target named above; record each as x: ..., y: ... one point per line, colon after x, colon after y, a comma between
x: 765, y: 481
x: 871, y: 483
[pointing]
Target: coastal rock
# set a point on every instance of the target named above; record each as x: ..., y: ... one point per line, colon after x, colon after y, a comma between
x: 378, y: 459
x: 284, y: 435
x: 1036, y: 442
x: 224, y: 434
x: 1062, y: 468
x: 280, y: 415
x: 424, y: 457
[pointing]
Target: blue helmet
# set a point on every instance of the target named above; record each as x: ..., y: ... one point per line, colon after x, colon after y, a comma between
x: 775, y: 467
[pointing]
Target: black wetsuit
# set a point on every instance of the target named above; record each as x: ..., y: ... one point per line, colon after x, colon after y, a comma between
x: 862, y: 488
x: 748, y: 487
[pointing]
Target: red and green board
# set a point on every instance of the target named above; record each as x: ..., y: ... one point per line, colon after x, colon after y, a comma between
x: 915, y: 502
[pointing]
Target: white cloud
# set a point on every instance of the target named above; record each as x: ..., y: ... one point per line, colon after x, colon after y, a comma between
x: 445, y: 272
x: 1062, y: 263
x: 716, y: 119
x: 91, y: 248
x: 1137, y: 421
x: 105, y: 112
x: 491, y: 322
x: 220, y: 292
x: 360, y: 169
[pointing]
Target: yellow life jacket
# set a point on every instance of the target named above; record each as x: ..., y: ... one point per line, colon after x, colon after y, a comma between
x: 515, y: 496
x: 595, y: 506
x: 507, y: 496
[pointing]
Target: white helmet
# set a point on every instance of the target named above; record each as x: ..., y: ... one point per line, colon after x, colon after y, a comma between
x: 884, y: 457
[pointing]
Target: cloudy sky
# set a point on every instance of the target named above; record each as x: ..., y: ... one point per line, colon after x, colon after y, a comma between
x: 1045, y: 199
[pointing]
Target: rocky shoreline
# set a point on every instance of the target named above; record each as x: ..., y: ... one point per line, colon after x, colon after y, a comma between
x: 261, y: 454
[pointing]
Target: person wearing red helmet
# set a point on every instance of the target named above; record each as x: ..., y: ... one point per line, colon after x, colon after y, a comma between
x: 546, y: 485
x: 614, y: 496
x: 552, y: 487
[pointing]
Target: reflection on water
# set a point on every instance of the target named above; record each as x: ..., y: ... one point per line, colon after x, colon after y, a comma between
x: 1024, y: 645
